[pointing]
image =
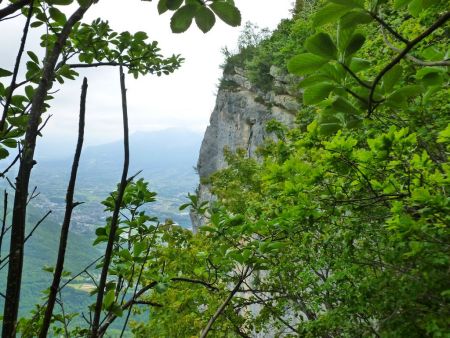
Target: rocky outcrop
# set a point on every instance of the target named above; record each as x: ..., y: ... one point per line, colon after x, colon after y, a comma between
x: 239, y: 118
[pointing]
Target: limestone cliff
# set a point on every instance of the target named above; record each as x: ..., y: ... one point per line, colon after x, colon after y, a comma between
x: 239, y: 118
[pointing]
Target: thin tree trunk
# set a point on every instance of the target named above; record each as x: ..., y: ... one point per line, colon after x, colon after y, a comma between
x: 70, y: 205
x: 115, y: 216
x: 27, y: 162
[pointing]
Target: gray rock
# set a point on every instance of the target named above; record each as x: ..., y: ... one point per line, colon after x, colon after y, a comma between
x: 238, y: 122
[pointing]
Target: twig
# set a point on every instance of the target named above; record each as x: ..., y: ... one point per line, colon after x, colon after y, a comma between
x: 111, y: 316
x: 361, y: 82
x: 80, y: 273
x: 225, y: 303
x: 5, y: 213
x: 413, y: 58
x: 195, y: 281
x: 389, y: 28
x: 11, y: 184
x: 63, y: 312
x: 135, y: 291
x: 26, y: 238
x: 3, y: 173
x: 11, y: 17
x: 45, y: 123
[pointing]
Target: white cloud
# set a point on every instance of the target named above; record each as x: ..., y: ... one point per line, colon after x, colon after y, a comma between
x: 184, y: 99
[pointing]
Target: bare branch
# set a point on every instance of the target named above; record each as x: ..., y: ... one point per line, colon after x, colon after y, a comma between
x: 225, y: 303
x: 388, y: 28
x: 413, y: 58
x: 4, y: 260
x: 5, y: 213
x: 2, y: 174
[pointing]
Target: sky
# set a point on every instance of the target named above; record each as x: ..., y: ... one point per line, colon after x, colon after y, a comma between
x: 184, y: 99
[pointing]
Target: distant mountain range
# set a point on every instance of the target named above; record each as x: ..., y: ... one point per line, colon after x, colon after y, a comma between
x: 166, y: 159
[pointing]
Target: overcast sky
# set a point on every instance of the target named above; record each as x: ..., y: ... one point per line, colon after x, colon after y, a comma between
x: 184, y: 99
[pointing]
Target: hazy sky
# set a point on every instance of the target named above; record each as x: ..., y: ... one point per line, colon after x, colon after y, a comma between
x: 183, y: 99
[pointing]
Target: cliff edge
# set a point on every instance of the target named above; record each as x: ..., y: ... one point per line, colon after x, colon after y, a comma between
x: 239, y: 120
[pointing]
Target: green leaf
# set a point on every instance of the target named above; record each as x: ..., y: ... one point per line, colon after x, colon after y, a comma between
x: 109, y: 299
x: 117, y: 310
x: 59, y: 2
x: 321, y: 45
x: 400, y: 3
x: 398, y: 97
x: 433, y: 79
x: 343, y: 37
x: 162, y: 6
x: 408, y: 91
x: 33, y: 57
x: 84, y: 3
x: 138, y: 248
x: 161, y: 287
x: 3, y: 153
x: 140, y: 36
x: 10, y: 143
x: 358, y: 65
x: 421, y: 73
x: 18, y: 121
x: 57, y: 15
x: 29, y: 91
x: 4, y: 72
x: 313, y: 80
x: 328, y: 14
x: 391, y: 78
x: 36, y: 24
x: 317, y: 93
x: 349, y: 3
x: 355, y: 43
x: 354, y: 18
x: 444, y: 135
x: 305, y: 64
x: 205, y: 19
x: 227, y: 13
x: 184, y: 206
x: 415, y: 7
x: 48, y: 268
x: 125, y: 254
x: 173, y: 4
x: 344, y: 106
x: 182, y: 18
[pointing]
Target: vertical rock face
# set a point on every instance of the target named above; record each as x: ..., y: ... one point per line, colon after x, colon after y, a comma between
x: 238, y: 121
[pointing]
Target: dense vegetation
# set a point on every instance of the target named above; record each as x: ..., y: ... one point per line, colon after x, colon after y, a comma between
x: 339, y: 229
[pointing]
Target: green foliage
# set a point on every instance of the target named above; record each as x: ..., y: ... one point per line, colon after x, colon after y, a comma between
x: 343, y: 220
x: 204, y: 13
